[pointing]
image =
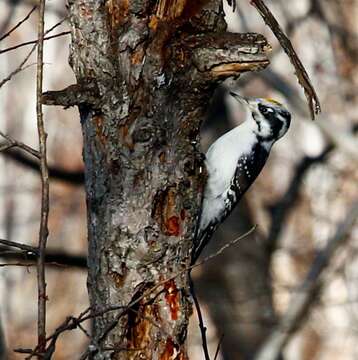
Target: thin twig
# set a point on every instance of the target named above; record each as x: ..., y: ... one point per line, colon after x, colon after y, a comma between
x: 6, y: 146
x: 202, y: 326
x: 19, y: 68
x: 4, y: 252
x: 301, y: 73
x: 18, y: 24
x: 35, y: 41
x: 219, y: 346
x: 224, y: 247
x: 14, y: 143
x: 43, y: 234
x: 87, y: 334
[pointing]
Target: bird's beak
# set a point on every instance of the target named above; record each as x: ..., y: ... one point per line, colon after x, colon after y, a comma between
x: 240, y: 98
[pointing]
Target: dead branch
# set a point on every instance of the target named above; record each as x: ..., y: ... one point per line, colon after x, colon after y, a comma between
x: 301, y: 73
x: 303, y: 299
x: 21, y: 67
x: 76, y: 94
x: 43, y: 234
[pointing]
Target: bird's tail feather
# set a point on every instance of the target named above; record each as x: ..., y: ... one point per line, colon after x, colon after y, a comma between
x: 200, y: 241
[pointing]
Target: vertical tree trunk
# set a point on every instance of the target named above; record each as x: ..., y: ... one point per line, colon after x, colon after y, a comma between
x: 153, y: 66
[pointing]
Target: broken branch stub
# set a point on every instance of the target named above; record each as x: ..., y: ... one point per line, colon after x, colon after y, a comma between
x: 208, y: 58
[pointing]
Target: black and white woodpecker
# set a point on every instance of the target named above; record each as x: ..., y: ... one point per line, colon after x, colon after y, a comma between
x: 235, y: 160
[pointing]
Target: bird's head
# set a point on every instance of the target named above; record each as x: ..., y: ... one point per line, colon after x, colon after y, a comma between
x: 272, y: 118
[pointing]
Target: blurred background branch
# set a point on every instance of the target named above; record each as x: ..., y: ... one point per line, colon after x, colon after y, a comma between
x: 306, y: 294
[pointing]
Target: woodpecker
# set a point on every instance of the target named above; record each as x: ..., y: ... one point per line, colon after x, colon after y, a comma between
x: 235, y: 160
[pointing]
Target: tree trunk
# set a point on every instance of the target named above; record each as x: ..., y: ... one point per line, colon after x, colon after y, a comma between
x: 152, y: 67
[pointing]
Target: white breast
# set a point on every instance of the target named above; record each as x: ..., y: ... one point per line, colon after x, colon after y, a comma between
x: 223, y: 155
x: 221, y: 162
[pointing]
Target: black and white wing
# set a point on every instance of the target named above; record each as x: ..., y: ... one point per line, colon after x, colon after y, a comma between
x: 217, y: 208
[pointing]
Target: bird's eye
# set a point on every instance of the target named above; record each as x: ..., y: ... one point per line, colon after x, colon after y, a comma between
x: 265, y: 110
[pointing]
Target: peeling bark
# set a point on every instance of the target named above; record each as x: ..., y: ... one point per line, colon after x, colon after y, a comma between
x: 154, y: 66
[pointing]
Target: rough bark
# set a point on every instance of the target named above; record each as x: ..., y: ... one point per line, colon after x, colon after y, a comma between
x: 154, y: 65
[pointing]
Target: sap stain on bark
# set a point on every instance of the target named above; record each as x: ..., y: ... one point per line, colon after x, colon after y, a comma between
x: 165, y: 211
x: 139, y: 331
x: 142, y: 317
x: 172, y: 226
x: 172, y: 352
x: 172, y: 298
